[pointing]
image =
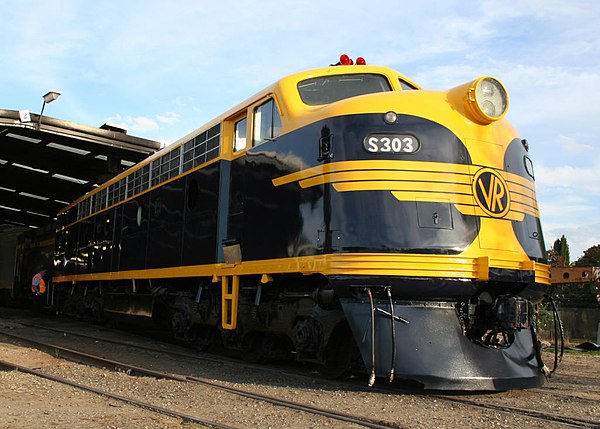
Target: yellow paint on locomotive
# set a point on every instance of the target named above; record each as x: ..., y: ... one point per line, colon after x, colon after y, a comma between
x: 496, y: 245
x: 486, y: 144
x: 386, y: 264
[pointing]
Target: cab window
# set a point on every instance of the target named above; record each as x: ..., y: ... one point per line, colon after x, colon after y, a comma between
x: 405, y: 85
x: 267, y: 122
x: 240, y: 135
x: 329, y: 89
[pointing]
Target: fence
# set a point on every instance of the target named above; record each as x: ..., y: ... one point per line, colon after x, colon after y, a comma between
x: 580, y: 324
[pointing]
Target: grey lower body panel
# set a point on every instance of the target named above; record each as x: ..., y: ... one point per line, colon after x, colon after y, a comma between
x: 432, y: 350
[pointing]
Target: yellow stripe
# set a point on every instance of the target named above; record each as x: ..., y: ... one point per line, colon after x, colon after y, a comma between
x: 433, y: 197
x: 385, y: 185
x: 369, y: 264
x: 418, y: 166
x: 471, y: 210
x: 417, y: 181
x: 524, y: 199
x: 403, y: 176
x: 524, y: 209
x: 515, y: 187
x: 515, y: 178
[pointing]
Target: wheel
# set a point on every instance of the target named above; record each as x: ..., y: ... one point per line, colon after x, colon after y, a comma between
x: 341, y: 354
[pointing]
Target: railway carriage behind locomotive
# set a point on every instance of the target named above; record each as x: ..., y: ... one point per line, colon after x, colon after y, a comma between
x: 343, y: 216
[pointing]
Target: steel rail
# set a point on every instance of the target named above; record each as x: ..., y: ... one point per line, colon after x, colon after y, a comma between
x: 132, y: 369
x: 220, y: 360
x: 337, y: 415
x: 569, y: 421
x: 123, y: 343
x: 140, y: 404
x: 565, y: 420
x: 563, y: 395
x: 554, y: 418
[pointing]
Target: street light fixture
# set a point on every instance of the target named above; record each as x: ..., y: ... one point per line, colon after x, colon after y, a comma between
x: 48, y: 98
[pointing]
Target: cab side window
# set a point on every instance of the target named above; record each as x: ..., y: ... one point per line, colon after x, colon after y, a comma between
x: 240, y: 135
x: 267, y: 122
x: 406, y: 86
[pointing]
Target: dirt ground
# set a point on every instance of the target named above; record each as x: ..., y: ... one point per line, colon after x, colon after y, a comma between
x: 31, y: 402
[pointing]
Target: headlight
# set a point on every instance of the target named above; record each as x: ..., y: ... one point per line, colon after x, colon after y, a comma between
x: 487, y: 99
x: 390, y: 118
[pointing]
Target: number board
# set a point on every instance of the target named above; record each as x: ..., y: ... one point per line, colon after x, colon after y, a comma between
x: 391, y: 143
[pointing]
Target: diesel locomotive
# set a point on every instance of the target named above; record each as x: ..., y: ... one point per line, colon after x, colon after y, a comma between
x: 343, y: 216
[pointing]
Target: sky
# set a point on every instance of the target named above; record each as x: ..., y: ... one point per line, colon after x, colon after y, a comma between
x: 162, y: 69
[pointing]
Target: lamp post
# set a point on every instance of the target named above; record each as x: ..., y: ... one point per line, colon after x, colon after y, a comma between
x: 48, y: 98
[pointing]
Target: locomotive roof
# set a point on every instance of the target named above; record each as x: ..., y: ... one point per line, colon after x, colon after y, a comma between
x: 285, y: 92
x: 287, y: 88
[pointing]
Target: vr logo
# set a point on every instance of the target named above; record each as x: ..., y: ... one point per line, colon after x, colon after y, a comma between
x: 491, y: 193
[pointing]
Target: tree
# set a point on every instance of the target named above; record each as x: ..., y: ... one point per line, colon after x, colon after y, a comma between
x: 560, y: 253
x: 590, y: 258
x: 574, y: 294
x: 582, y: 295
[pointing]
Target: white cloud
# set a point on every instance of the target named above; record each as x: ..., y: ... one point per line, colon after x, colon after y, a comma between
x: 446, y: 76
x: 568, y: 196
x: 139, y: 124
x: 580, y: 236
x: 570, y: 145
x: 144, y: 123
x: 580, y: 180
x: 538, y: 9
x: 169, y: 118
x: 541, y: 94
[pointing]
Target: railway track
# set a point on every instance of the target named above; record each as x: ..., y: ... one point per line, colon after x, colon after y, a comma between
x: 546, y: 417
x: 127, y: 400
x: 204, y: 358
x: 136, y: 370
x: 563, y: 395
x: 566, y: 421
x: 168, y: 350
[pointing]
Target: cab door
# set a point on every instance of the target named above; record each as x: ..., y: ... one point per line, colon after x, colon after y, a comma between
x: 248, y: 232
x: 232, y: 189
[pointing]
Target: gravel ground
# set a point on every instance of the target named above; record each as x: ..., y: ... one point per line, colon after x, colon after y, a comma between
x: 33, y: 402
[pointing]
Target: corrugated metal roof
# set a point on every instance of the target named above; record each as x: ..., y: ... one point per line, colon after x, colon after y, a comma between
x: 43, y: 168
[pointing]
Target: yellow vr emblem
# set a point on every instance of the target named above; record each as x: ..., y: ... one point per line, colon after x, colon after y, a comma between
x: 491, y: 192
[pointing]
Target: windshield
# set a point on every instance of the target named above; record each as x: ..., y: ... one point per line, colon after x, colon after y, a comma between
x: 329, y: 89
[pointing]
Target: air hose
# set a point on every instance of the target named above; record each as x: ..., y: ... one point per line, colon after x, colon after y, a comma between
x: 391, y: 301
x: 558, y: 334
x: 372, y: 378
x: 558, y: 329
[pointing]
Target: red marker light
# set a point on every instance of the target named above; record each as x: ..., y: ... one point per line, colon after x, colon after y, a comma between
x: 345, y: 60
x: 360, y: 61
